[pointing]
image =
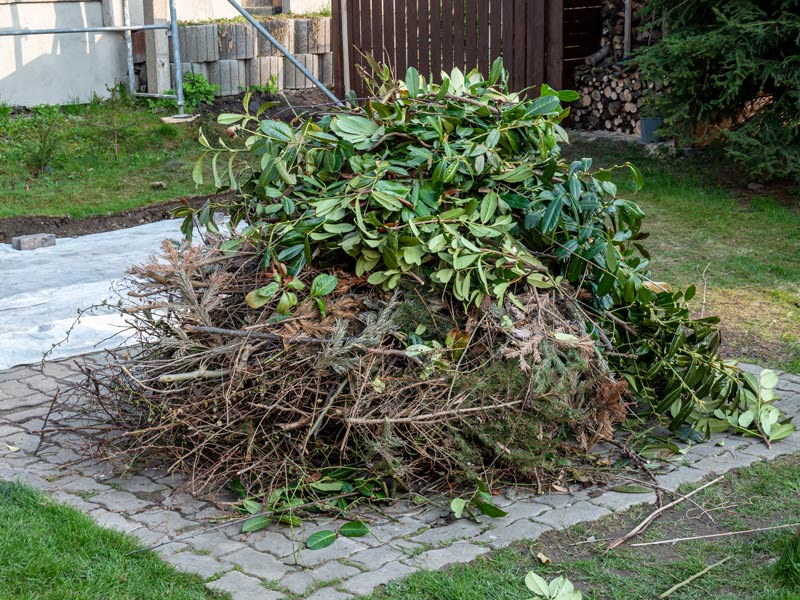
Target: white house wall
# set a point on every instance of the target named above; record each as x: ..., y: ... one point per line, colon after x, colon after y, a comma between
x: 56, y: 69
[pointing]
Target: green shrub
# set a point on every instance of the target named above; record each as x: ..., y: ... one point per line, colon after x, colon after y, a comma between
x: 736, y: 62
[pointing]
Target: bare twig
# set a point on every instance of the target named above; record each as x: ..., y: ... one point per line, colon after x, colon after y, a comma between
x: 689, y: 580
x: 715, y: 535
x: 655, y: 514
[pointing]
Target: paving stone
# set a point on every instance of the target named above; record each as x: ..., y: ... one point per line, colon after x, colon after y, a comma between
x: 373, y: 558
x: 434, y: 560
x: 380, y: 534
x: 203, y: 565
x: 561, y: 518
x: 618, y: 501
x: 138, y: 484
x: 149, y: 538
x: 329, y: 594
x: 42, y: 384
x: 79, y: 483
x: 561, y: 500
x: 725, y: 462
x: 215, y: 542
x: 326, y: 68
x: 343, y: 548
x: 164, y: 521
x: 258, y: 564
x: 14, y: 388
x: 33, y: 241
x: 106, y: 518
x: 60, y: 369
x: 300, y: 581
x: 6, y: 431
x: 521, y: 510
x: 673, y: 480
x: 74, y: 501
x: 366, y: 582
x: 38, y: 409
x: 242, y: 587
x: 120, y: 501
x: 274, y: 543
x: 26, y: 442
x: 459, y: 530
x: 501, y: 537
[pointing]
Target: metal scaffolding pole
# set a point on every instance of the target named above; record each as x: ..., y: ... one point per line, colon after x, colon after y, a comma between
x: 126, y: 28
x: 260, y: 28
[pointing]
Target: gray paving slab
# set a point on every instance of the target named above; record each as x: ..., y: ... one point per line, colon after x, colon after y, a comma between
x: 257, y: 564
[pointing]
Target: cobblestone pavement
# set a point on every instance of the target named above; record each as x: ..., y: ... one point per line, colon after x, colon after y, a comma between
x: 273, y: 563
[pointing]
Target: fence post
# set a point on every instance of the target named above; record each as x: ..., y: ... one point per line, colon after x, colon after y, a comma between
x: 555, y: 43
x: 157, y: 47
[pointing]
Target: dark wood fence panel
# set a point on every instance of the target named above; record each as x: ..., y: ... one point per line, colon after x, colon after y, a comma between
x: 539, y: 40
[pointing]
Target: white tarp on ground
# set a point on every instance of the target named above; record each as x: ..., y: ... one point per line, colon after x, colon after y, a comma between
x: 42, y: 290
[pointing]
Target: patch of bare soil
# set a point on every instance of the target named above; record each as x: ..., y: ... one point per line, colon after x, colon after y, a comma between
x: 69, y: 227
x: 287, y: 106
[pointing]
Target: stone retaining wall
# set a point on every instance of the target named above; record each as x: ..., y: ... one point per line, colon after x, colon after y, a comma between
x: 235, y: 56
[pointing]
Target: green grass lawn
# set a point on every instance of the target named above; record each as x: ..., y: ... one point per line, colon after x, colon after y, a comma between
x: 99, y: 158
x: 762, y: 495
x: 747, y: 245
x: 52, y: 552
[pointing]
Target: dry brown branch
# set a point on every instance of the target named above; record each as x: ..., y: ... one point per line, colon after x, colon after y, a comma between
x: 655, y: 514
x: 716, y: 535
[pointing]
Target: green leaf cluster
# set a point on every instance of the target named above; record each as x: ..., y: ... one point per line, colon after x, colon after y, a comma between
x: 460, y: 184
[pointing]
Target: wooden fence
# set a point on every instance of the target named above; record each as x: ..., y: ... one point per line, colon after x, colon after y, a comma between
x: 437, y: 35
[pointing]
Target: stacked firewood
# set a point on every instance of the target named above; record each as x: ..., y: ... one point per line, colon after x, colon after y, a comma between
x: 612, y: 92
x: 611, y: 99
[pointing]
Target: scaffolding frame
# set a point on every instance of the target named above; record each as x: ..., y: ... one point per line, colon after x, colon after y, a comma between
x: 172, y: 31
x: 126, y: 28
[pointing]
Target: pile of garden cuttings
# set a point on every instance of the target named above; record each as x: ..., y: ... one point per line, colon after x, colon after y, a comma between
x: 420, y: 290
x: 225, y: 393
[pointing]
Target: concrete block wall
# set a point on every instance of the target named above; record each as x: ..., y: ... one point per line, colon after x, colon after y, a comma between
x: 235, y: 56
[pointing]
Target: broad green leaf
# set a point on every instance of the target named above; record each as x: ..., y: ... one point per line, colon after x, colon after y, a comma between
x: 781, y: 431
x: 229, y: 118
x: 323, y: 285
x: 251, y: 506
x: 537, y: 584
x: 631, y: 489
x: 489, y: 509
x: 261, y: 296
x: 768, y: 379
x: 327, y: 486
x: 354, y: 529
x: 321, y: 539
x: 255, y: 523
x: 412, y: 82
x: 746, y: 418
x: 457, y: 505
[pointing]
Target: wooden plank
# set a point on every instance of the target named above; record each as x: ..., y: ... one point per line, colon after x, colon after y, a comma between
x: 376, y: 10
x: 365, y: 30
x: 583, y: 18
x: 436, y: 39
x: 400, y: 45
x: 520, y: 44
x: 495, y: 29
x: 507, y: 35
x: 447, y: 35
x: 555, y: 43
x: 387, y: 55
x: 336, y: 46
x: 535, y: 54
x: 484, y: 55
x: 569, y: 4
x: 412, y: 35
x: 424, y: 39
x: 459, y: 14
x: 471, y: 34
